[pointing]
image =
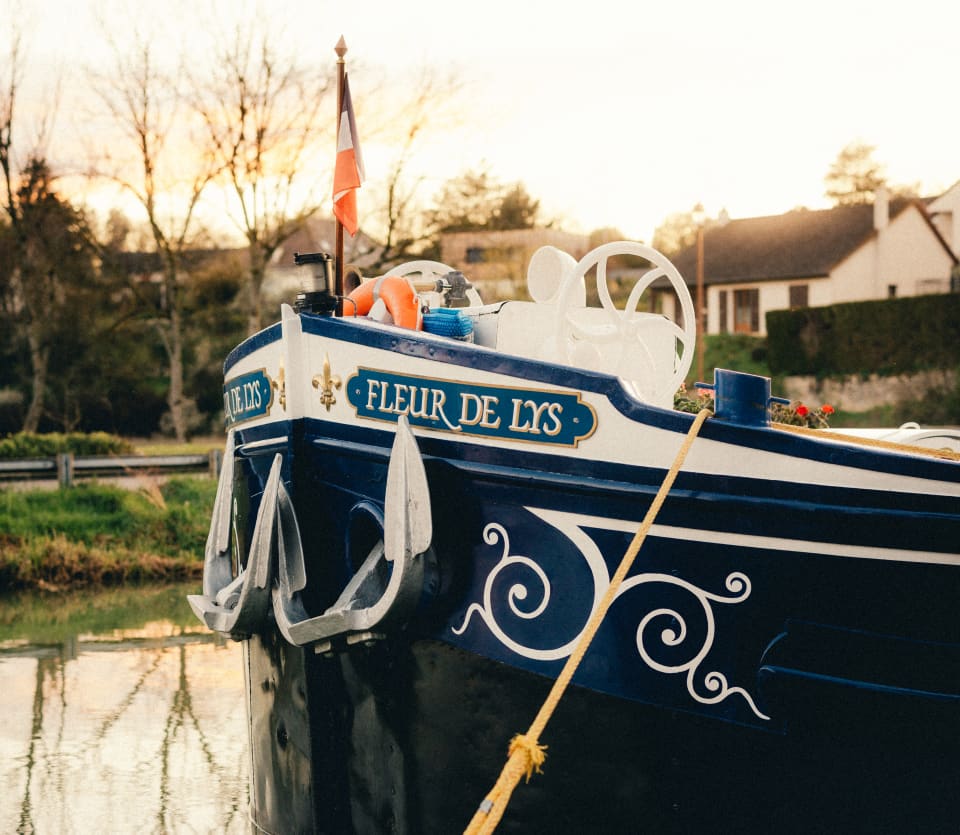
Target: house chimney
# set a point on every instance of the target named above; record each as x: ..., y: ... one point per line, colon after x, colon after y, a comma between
x: 881, y: 208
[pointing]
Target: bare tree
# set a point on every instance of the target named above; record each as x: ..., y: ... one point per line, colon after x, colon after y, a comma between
x: 399, y: 217
x: 265, y: 115
x: 146, y: 104
x: 13, y: 69
x: 45, y: 236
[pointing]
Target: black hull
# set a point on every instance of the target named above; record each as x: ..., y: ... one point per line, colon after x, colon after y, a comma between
x: 408, y: 737
x: 783, y: 658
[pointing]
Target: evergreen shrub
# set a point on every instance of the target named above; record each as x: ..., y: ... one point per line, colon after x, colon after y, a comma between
x: 48, y: 444
x: 892, y: 336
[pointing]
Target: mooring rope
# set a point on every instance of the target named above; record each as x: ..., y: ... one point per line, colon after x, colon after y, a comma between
x: 526, y: 754
x: 876, y: 443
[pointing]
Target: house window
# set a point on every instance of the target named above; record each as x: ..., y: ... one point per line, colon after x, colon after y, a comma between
x: 891, y: 291
x: 476, y: 254
x: 746, y: 311
x: 724, y: 326
x: 799, y: 296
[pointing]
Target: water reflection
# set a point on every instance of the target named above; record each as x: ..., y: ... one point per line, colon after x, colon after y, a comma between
x: 138, y: 728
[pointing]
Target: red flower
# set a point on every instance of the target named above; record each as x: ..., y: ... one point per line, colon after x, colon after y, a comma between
x: 802, y: 410
x: 827, y: 409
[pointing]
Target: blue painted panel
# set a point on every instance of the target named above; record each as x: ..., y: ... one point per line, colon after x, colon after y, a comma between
x: 471, y: 409
x: 247, y: 397
x: 513, y: 586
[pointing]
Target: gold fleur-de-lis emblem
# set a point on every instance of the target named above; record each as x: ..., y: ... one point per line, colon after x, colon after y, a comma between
x: 281, y: 387
x: 326, y: 382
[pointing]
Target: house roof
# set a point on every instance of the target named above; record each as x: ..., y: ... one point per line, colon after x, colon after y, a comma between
x: 146, y: 263
x: 318, y: 234
x: 798, y: 244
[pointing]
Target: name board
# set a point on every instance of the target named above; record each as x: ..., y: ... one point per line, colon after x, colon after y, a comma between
x: 517, y: 414
x: 246, y: 397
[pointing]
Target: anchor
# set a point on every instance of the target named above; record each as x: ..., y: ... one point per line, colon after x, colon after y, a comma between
x: 369, y: 601
x: 238, y: 606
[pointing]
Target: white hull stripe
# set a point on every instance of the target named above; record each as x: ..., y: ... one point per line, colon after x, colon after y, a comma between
x: 770, y: 543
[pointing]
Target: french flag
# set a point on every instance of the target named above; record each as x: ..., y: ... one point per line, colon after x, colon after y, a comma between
x: 348, y: 174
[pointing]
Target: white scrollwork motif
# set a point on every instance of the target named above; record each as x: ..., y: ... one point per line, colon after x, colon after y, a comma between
x: 492, y: 534
x: 572, y: 526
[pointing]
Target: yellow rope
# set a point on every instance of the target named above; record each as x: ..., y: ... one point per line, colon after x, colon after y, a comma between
x: 526, y: 753
x: 876, y: 443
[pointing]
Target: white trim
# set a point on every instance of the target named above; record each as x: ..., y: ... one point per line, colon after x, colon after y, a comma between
x: 771, y: 543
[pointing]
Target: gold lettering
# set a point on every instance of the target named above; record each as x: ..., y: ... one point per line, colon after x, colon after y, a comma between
x: 419, y: 411
x: 371, y: 392
x: 399, y: 395
x: 553, y: 412
x: 436, y: 409
x: 515, y: 425
x: 537, y: 415
x: 466, y: 399
x: 489, y: 420
x: 385, y: 405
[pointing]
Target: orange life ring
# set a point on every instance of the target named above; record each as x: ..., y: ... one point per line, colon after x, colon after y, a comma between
x: 398, y: 295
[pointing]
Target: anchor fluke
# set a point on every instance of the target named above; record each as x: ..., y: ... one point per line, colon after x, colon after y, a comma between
x: 408, y: 523
x: 378, y: 594
x: 238, y: 606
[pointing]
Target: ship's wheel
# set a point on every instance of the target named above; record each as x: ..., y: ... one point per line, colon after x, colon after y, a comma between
x: 629, y: 338
x: 432, y: 272
x: 429, y: 270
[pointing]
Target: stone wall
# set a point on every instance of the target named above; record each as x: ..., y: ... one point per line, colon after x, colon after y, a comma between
x: 856, y: 393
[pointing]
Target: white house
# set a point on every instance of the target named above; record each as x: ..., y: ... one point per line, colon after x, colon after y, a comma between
x: 496, y: 260
x: 806, y: 258
x: 944, y: 211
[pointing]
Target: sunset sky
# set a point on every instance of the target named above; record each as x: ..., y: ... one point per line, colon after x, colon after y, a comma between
x: 616, y: 113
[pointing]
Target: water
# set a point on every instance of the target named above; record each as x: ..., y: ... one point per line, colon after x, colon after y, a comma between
x: 119, y: 713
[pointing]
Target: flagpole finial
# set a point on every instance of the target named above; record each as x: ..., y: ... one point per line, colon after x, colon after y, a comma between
x: 341, y: 48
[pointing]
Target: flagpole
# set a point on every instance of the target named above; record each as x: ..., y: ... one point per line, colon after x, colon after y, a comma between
x: 341, y: 50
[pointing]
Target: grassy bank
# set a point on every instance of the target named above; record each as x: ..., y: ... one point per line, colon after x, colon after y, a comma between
x: 168, y: 446
x: 96, y: 534
x: 736, y: 351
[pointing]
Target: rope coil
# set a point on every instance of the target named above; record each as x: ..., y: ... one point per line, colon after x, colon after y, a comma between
x: 526, y: 754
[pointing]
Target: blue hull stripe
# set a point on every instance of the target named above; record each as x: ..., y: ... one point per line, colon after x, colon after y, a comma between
x: 565, y: 472
x: 259, y: 340
x: 414, y: 344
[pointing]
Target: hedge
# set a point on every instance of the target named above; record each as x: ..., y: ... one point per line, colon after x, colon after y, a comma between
x: 892, y: 336
x: 46, y: 445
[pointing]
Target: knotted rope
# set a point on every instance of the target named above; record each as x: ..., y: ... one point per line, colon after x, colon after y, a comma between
x: 526, y: 754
